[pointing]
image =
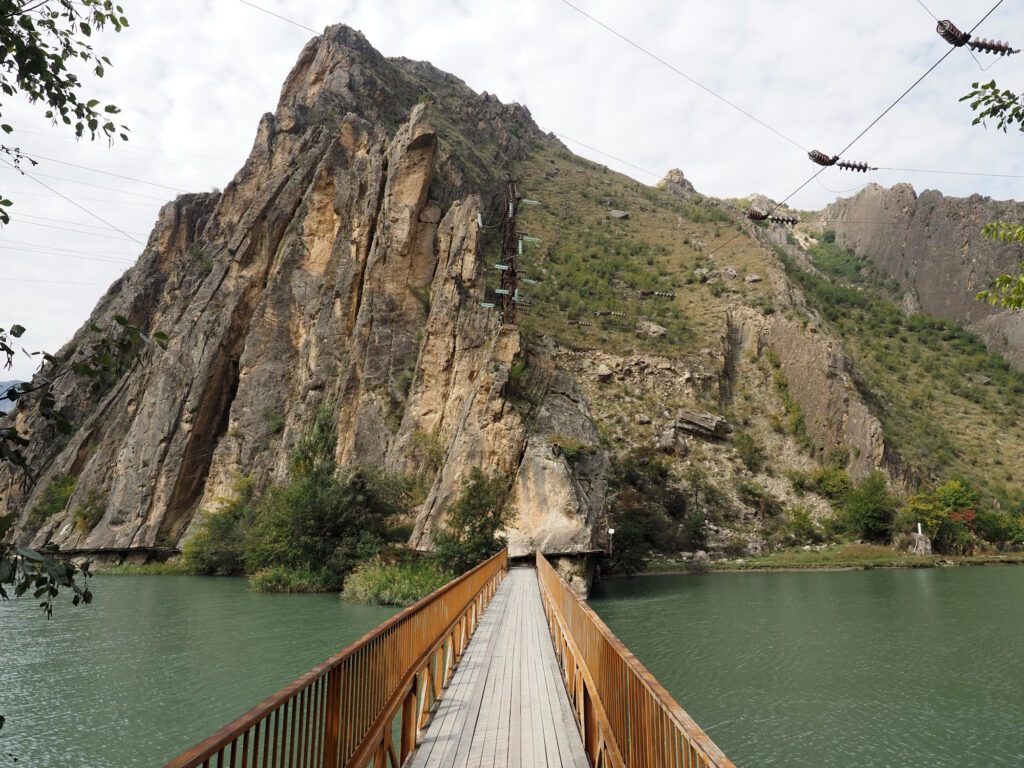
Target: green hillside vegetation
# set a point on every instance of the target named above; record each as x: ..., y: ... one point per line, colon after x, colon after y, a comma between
x: 923, y: 378
x: 588, y: 262
x: 324, y: 529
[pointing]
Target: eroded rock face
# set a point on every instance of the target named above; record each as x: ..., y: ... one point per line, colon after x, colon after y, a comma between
x: 558, y: 498
x: 339, y: 268
x: 818, y: 377
x: 676, y: 183
x: 933, y: 247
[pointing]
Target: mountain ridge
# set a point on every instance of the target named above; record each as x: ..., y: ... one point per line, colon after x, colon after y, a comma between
x: 344, y: 266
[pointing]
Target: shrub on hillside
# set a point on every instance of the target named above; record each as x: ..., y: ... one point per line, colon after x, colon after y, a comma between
x: 399, y: 581
x: 305, y: 534
x: 956, y: 521
x: 869, y: 508
x: 217, y: 546
x: 89, y: 513
x: 53, y: 500
x: 279, y: 578
x: 470, y: 533
x: 751, y: 451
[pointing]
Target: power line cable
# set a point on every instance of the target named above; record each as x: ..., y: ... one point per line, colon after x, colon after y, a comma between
x: 5, y: 241
x: 21, y: 193
x: 36, y: 175
x: 282, y: 18
x: 953, y: 173
x: 870, y: 125
x: 682, y: 74
x: 54, y: 282
x: 98, y: 259
x: 131, y: 151
x: 76, y: 231
x: 21, y: 216
x: 68, y: 199
x: 105, y: 173
x: 602, y: 152
x: 928, y: 10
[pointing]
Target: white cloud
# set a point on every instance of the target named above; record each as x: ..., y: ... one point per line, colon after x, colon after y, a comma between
x: 193, y: 78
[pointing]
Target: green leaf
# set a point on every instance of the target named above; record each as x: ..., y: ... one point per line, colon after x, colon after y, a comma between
x: 17, y: 330
x: 28, y: 554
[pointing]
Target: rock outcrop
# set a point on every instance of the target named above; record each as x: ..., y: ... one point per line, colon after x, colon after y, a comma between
x: 677, y: 184
x: 340, y: 268
x: 819, y: 378
x: 932, y: 246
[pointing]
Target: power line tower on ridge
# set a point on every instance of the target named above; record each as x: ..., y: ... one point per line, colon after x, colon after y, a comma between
x: 509, y: 251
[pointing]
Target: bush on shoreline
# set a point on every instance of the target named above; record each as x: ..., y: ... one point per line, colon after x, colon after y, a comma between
x: 397, y: 582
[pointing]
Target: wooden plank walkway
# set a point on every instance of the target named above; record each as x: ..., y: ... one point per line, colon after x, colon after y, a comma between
x: 506, y: 705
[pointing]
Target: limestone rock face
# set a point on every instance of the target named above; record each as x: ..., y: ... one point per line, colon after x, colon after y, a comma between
x: 918, y: 544
x: 557, y: 499
x: 933, y: 247
x: 818, y: 377
x: 677, y: 184
x: 340, y: 268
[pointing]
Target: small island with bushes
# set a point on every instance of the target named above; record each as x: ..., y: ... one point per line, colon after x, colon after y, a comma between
x: 328, y: 530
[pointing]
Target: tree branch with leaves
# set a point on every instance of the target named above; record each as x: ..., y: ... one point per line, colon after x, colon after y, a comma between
x: 1007, y: 109
x: 41, y: 42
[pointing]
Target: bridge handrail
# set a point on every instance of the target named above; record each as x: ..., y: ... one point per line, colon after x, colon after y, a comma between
x: 625, y: 716
x: 340, y: 713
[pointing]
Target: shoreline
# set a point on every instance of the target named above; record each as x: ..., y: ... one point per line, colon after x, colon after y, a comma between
x: 897, y: 561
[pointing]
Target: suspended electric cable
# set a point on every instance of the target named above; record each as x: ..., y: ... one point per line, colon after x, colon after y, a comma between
x: 130, y: 151
x: 953, y: 173
x: 36, y: 175
x: 602, y: 152
x: 865, y: 130
x: 282, y: 18
x: 21, y: 193
x: 68, y: 199
x: 54, y: 282
x: 22, y: 216
x: 6, y: 241
x: 76, y: 231
x: 928, y: 10
x: 104, y: 173
x: 97, y: 259
x: 682, y: 74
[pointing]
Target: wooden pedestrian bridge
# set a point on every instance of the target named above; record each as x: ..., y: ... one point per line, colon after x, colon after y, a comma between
x: 500, y: 668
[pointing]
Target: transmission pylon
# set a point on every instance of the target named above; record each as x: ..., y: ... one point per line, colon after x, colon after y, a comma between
x: 510, y: 246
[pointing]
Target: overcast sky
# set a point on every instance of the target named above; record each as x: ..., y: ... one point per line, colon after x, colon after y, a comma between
x: 194, y: 76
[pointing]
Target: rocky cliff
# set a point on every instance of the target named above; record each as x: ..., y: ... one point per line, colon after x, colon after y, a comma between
x: 932, y: 246
x: 340, y: 267
x: 344, y: 266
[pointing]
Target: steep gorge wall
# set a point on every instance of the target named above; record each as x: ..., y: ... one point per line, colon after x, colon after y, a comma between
x: 933, y: 247
x: 340, y: 267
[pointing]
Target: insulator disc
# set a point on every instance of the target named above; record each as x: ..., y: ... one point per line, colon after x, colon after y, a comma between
x: 821, y: 158
x: 947, y: 31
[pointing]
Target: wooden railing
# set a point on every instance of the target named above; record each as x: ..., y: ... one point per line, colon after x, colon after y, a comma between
x: 626, y: 717
x: 342, y: 713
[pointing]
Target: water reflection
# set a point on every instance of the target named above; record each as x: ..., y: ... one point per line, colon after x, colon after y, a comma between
x: 853, y: 668
x: 155, y: 665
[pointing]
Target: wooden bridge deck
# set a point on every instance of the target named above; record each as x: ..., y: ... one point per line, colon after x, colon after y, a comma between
x: 506, y: 705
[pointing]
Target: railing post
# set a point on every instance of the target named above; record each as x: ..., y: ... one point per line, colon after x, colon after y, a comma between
x: 409, y: 720
x: 333, y: 719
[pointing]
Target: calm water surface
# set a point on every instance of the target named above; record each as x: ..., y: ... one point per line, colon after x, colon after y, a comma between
x: 154, y: 665
x: 857, y: 668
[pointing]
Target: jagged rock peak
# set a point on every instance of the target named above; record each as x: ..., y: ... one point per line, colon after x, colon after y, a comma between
x: 932, y: 246
x: 677, y: 184
x: 339, y: 268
